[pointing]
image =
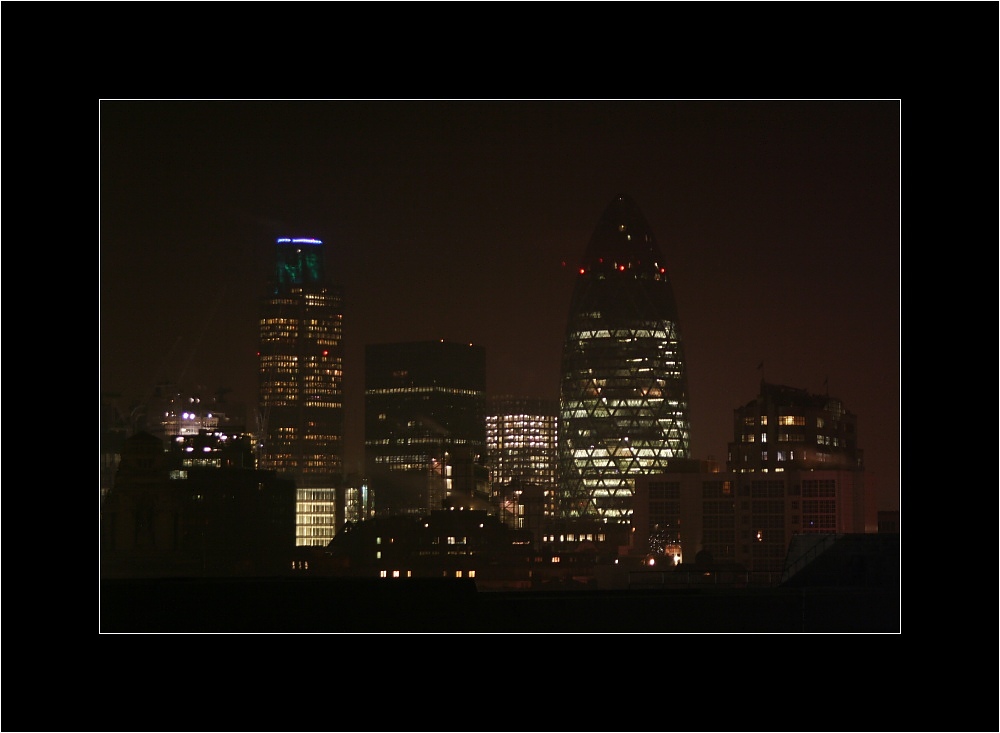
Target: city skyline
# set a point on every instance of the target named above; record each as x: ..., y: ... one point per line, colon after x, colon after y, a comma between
x: 463, y: 220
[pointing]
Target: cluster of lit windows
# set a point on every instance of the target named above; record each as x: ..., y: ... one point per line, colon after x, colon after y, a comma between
x: 521, y: 446
x: 279, y: 330
x: 315, y: 516
x: 309, y: 514
x: 625, y: 336
x: 424, y: 390
x: 280, y: 382
x: 322, y: 403
x: 525, y: 441
x: 791, y: 437
x: 279, y: 364
x: 324, y: 495
x: 322, y: 379
x: 451, y: 540
x: 320, y: 465
x: 322, y: 300
x: 320, y: 436
x: 791, y: 420
x: 574, y: 537
x: 202, y: 462
x: 403, y: 463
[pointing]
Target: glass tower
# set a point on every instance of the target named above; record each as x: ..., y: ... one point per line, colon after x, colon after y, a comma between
x: 300, y: 377
x: 623, y: 398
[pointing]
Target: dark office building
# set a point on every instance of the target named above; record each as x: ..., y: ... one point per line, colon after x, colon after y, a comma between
x: 623, y: 397
x: 425, y: 434
x: 794, y: 469
x: 787, y: 427
x: 301, y: 383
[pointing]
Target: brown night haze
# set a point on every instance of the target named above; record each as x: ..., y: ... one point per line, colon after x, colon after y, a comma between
x: 463, y: 220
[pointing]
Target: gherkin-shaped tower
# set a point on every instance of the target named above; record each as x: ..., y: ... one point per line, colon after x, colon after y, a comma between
x: 623, y: 398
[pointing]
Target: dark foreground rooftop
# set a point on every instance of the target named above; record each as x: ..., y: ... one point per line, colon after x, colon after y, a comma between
x: 421, y: 605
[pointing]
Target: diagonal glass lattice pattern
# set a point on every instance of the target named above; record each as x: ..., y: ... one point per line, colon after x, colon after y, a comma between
x: 623, y: 405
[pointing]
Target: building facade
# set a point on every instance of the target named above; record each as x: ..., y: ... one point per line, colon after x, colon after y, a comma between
x: 301, y: 384
x: 623, y: 399
x: 425, y: 434
x: 786, y: 427
x: 522, y: 457
x: 794, y: 468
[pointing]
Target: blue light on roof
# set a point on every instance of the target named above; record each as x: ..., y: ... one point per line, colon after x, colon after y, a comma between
x: 299, y: 240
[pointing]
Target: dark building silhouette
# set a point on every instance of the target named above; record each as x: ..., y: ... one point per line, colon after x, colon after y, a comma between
x: 623, y: 400
x: 888, y: 521
x: 445, y: 543
x: 301, y: 384
x: 167, y: 517
x: 114, y: 429
x: 425, y: 434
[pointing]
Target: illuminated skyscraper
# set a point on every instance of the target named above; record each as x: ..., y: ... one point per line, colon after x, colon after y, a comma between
x: 623, y: 399
x: 521, y: 456
x: 301, y: 384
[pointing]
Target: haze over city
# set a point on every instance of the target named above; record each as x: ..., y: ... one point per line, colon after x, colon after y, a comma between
x: 463, y: 220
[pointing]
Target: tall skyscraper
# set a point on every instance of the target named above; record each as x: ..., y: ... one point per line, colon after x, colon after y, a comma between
x: 301, y: 382
x: 623, y: 398
x: 425, y: 434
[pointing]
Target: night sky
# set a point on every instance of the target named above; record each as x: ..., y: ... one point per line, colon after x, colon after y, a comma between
x: 462, y: 220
